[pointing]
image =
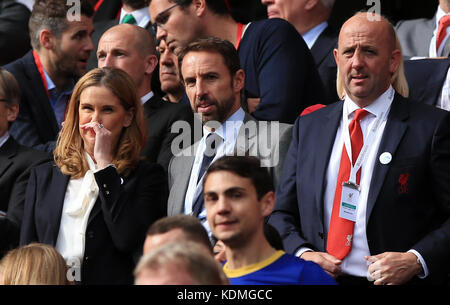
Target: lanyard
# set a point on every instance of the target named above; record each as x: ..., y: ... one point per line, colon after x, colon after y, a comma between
x: 240, y: 28
x: 40, y: 68
x: 367, y: 144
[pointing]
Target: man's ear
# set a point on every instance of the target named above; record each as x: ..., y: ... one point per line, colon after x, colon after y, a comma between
x: 239, y: 80
x: 46, y: 39
x: 310, y: 4
x: 199, y: 7
x: 11, y: 112
x: 151, y: 61
x: 267, y: 203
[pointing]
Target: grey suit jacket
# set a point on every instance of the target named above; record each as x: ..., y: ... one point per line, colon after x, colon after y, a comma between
x: 249, y: 141
x: 415, y: 36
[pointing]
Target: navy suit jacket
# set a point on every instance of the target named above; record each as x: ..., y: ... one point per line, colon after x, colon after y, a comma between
x: 426, y: 78
x: 322, y: 52
x: 117, y: 224
x: 418, y: 137
x: 36, y: 124
x: 15, y: 164
x: 280, y: 70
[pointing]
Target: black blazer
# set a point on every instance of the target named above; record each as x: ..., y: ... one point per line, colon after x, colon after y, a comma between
x: 15, y: 164
x: 426, y: 78
x: 14, y: 33
x: 117, y: 224
x: 322, y: 52
x: 160, y: 116
x: 415, y: 216
x: 36, y: 124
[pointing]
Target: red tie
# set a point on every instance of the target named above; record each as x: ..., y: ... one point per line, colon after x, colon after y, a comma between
x: 444, y: 22
x: 340, y: 233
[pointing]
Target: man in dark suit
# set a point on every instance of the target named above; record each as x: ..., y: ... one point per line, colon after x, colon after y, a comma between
x: 382, y: 213
x: 14, y: 35
x: 429, y: 81
x: 210, y: 69
x: 132, y: 49
x: 310, y: 18
x: 47, y: 74
x: 281, y: 77
x: 418, y: 37
x: 15, y: 163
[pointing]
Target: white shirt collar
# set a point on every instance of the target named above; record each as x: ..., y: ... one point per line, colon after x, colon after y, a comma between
x: 4, y: 138
x: 147, y: 97
x: 142, y: 16
x: 229, y: 130
x: 311, y: 36
x: 439, y: 14
x: 379, y: 106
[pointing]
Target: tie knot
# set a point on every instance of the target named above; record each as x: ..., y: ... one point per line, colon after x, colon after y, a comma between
x: 360, y: 114
x: 444, y: 21
x: 128, y: 18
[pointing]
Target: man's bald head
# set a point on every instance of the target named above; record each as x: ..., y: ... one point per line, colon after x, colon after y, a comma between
x: 132, y: 49
x: 368, y: 58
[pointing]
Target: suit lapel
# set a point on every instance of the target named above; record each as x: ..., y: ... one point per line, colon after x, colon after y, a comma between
x: 322, y: 151
x: 392, y: 135
x: 57, y: 194
x: 152, y: 105
x: 324, y: 44
x: 7, y: 151
x: 41, y: 105
x: 246, y: 140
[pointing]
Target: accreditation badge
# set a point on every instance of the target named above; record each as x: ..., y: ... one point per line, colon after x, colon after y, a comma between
x: 349, y: 201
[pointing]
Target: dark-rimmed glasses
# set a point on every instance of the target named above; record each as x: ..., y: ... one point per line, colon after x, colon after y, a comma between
x: 162, y: 18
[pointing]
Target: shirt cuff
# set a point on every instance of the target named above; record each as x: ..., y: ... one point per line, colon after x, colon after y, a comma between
x: 302, y: 250
x: 422, y: 262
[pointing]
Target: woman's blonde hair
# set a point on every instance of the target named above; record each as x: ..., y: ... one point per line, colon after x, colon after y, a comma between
x: 398, y: 78
x: 33, y: 264
x: 69, y: 151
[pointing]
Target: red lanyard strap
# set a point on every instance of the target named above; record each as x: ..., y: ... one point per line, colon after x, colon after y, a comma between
x: 40, y: 68
x: 240, y: 28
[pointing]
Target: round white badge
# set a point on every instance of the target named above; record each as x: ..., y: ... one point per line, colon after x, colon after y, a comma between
x: 385, y: 158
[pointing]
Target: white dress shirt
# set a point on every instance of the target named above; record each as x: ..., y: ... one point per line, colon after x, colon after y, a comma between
x: 147, y: 97
x: 228, y: 132
x: 142, y: 16
x: 81, y: 195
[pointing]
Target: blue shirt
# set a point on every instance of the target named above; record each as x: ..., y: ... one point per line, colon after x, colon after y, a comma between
x: 280, y: 269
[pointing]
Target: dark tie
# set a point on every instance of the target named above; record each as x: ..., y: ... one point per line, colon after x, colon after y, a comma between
x: 212, y: 142
x: 340, y: 233
x: 128, y: 18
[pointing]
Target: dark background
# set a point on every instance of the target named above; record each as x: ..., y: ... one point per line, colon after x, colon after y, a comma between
x: 394, y: 10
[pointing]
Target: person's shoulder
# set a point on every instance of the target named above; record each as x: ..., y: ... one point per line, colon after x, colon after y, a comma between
x: 19, y: 65
x: 274, y: 28
x: 33, y: 155
x: 405, y: 26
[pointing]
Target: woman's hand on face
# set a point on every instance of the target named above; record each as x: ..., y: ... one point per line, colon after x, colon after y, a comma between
x: 103, y: 148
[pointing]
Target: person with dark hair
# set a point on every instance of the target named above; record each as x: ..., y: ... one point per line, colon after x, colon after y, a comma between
x: 132, y: 49
x: 239, y: 195
x: 47, y: 74
x: 175, y: 228
x: 15, y: 164
x: 210, y: 70
x: 281, y: 78
x: 95, y: 202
